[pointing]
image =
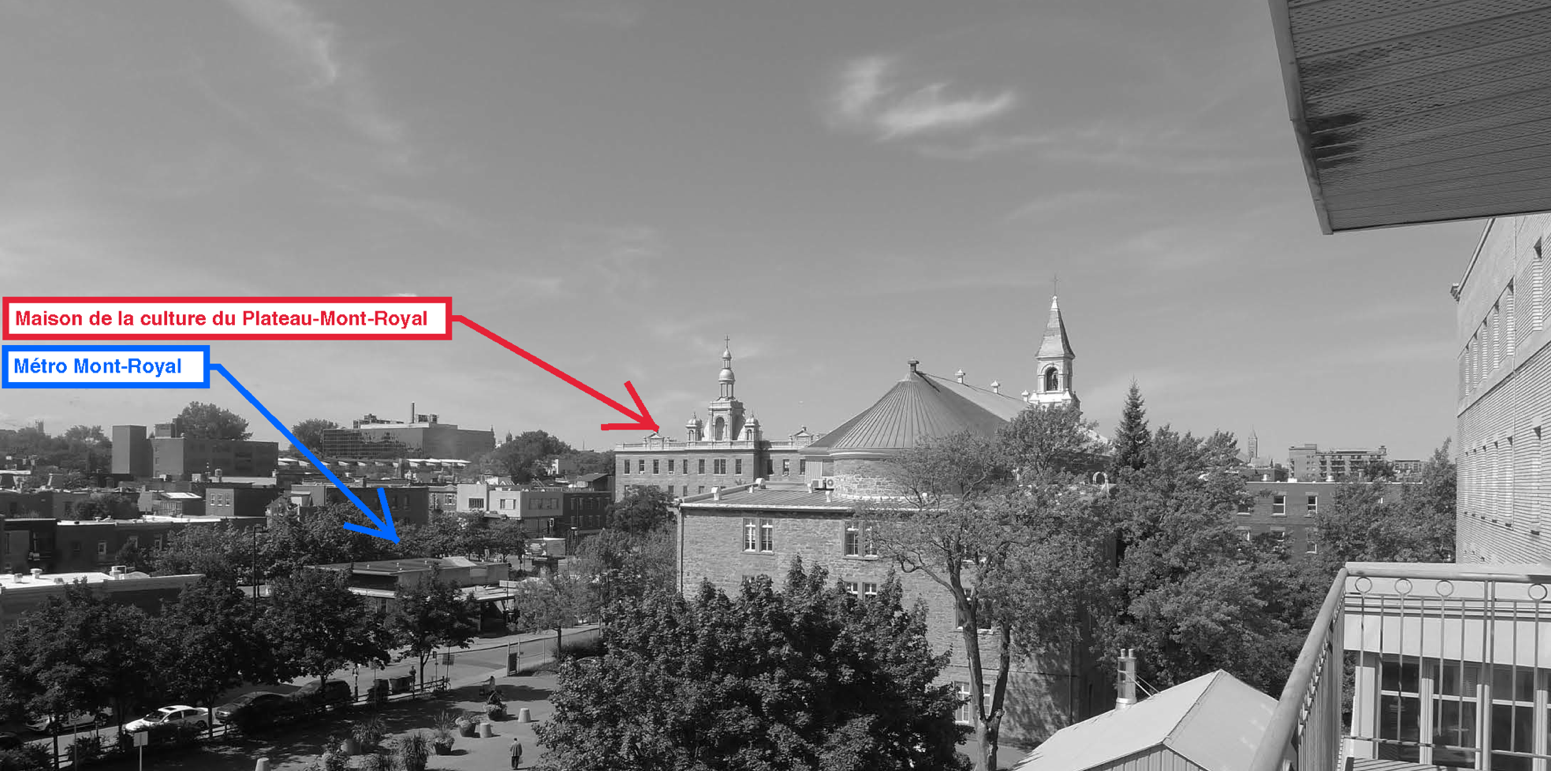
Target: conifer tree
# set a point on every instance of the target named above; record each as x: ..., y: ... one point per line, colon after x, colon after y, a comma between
x: 1131, y: 436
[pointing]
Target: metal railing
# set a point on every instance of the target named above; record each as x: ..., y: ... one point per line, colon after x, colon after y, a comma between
x: 1305, y: 730
x: 1446, y: 666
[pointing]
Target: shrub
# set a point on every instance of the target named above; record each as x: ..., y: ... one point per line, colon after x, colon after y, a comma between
x: 413, y: 751
x: 30, y: 757
x: 368, y: 733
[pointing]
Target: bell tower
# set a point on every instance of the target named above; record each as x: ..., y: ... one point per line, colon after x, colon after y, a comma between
x: 1054, y: 363
x: 725, y: 419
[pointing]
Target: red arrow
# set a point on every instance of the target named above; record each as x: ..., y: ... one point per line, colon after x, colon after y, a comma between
x: 643, y: 418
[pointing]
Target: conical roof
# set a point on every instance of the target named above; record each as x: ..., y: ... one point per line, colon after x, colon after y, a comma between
x: 919, y: 408
x: 1055, y: 345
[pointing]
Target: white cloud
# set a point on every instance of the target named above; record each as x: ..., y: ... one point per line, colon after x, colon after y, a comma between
x: 871, y: 97
x: 312, y: 45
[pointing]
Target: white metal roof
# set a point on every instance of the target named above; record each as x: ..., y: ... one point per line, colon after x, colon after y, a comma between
x: 1213, y: 721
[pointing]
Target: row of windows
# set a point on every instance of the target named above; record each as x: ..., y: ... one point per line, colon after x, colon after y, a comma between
x: 1311, y: 545
x: 1499, y: 333
x: 1279, y: 505
x: 718, y: 466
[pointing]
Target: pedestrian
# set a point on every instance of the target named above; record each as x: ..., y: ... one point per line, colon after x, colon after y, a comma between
x: 516, y: 752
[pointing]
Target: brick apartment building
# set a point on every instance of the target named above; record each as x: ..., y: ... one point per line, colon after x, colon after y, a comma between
x: 1289, y: 511
x: 409, y: 504
x: 727, y: 448
x: 543, y: 512
x: 734, y: 533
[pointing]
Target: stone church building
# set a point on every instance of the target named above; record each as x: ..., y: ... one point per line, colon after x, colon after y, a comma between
x: 733, y: 532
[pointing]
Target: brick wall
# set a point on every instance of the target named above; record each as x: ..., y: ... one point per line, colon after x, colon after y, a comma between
x: 1504, y: 380
x: 1046, y: 695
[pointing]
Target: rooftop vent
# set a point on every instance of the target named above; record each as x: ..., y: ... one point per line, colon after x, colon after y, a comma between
x: 959, y: 375
x: 37, y: 573
x: 996, y: 387
x: 716, y: 493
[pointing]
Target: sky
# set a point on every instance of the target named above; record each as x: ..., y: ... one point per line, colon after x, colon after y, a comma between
x: 617, y: 185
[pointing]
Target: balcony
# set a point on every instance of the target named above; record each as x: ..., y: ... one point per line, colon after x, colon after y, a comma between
x: 1421, y: 666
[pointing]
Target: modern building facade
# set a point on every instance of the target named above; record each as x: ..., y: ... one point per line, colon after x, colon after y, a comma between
x: 1504, y: 388
x: 726, y: 448
x: 733, y: 533
x: 1308, y: 461
x: 371, y: 438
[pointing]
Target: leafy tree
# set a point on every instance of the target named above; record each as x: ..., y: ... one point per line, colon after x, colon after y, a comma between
x: 429, y: 615
x: 505, y: 537
x: 1378, y: 470
x: 974, y: 515
x: 318, y: 537
x: 591, y: 461
x: 29, y: 757
x: 806, y: 678
x: 1381, y: 522
x: 87, y: 434
x: 316, y: 625
x: 621, y: 566
x: 523, y: 457
x: 75, y: 653
x: 106, y: 506
x: 218, y: 551
x: 442, y: 535
x: 207, y: 421
x: 310, y: 433
x: 554, y: 602
x: 643, y: 509
x: 1431, y: 503
x: 206, y: 643
x: 1184, y: 593
x: 1131, y: 435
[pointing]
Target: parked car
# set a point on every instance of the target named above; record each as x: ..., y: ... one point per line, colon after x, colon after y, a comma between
x: 49, y: 725
x: 314, y: 696
x: 259, y: 709
x: 9, y: 741
x: 258, y: 700
x: 178, y: 714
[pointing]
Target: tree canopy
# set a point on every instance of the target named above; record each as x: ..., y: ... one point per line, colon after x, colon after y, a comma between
x: 1000, y: 525
x: 805, y: 678
x: 207, y: 421
x: 429, y: 615
x: 641, y: 510
x: 310, y: 433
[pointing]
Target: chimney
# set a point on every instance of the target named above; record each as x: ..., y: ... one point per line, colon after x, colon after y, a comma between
x: 1125, y: 689
x: 411, y: 412
x: 996, y: 387
x: 959, y: 375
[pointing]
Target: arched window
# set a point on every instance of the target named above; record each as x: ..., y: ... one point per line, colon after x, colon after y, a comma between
x: 1052, y: 380
x: 720, y: 426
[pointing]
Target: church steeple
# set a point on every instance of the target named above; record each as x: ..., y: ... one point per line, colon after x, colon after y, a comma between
x: 1054, y: 362
x: 725, y: 421
x: 726, y: 379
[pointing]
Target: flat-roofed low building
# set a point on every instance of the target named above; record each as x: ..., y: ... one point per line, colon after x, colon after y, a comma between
x: 487, y: 582
x: 22, y: 592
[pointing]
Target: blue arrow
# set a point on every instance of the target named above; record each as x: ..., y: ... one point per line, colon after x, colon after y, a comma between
x: 384, y: 528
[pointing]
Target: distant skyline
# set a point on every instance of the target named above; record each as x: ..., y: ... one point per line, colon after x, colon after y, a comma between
x: 617, y: 184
